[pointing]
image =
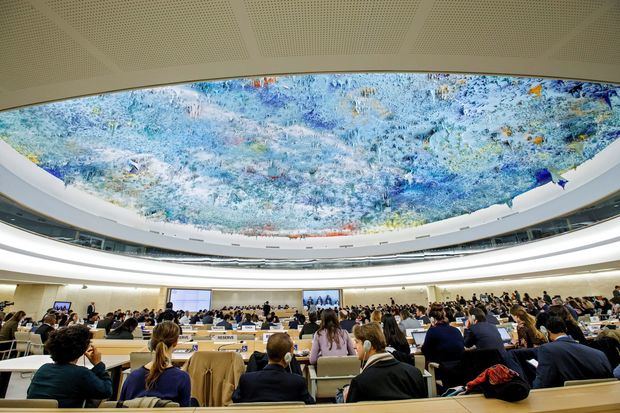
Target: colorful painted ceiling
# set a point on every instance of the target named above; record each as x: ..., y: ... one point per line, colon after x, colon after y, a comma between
x: 319, y: 155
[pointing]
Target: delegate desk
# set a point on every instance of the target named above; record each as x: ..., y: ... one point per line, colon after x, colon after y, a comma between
x: 602, y: 397
x: 31, y: 364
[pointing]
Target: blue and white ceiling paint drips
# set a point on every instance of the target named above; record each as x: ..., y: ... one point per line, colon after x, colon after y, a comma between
x: 319, y: 155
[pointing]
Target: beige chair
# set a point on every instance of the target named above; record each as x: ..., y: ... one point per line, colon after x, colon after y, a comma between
x: 36, y: 345
x: 589, y: 381
x: 137, y: 334
x: 138, y: 359
x: 332, y: 373
x: 28, y: 404
x: 22, y: 342
x: 9, y: 347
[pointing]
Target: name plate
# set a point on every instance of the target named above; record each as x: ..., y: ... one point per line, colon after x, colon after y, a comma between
x: 218, y: 328
x: 276, y: 328
x: 225, y: 338
x: 185, y: 337
x: 594, y: 319
x: 266, y: 337
x: 248, y: 328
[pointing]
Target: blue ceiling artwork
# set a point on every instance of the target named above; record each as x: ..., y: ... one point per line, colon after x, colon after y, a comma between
x: 319, y: 155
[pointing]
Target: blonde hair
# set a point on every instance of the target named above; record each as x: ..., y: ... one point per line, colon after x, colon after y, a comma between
x: 375, y: 317
x: 165, y: 335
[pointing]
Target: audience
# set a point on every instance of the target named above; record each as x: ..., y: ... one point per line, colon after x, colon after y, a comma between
x: 564, y: 359
x: 46, y: 327
x: 443, y: 343
x: 347, y: 320
x: 274, y: 383
x: 382, y: 377
x: 408, y: 322
x: 159, y: 378
x: 479, y: 333
x: 124, y: 331
x: 106, y: 323
x: 225, y: 323
x: 330, y: 339
x: 9, y: 327
x: 572, y: 327
x: 71, y: 385
x: 310, y: 327
x: 394, y: 337
x: 528, y: 335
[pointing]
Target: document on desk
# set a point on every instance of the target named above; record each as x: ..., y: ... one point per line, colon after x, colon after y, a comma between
x: 533, y: 362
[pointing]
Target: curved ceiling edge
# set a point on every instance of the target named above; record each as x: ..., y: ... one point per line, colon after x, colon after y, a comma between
x: 34, y: 188
x: 25, y: 253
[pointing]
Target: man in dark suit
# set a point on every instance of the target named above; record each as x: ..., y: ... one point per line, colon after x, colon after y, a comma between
x: 90, y: 310
x: 47, y: 327
x: 225, y: 322
x: 106, y: 323
x: 482, y: 334
x: 266, y: 308
x: 564, y: 359
x: 274, y: 383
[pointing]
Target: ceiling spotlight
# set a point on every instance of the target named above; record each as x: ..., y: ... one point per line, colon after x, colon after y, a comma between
x: 84, y: 286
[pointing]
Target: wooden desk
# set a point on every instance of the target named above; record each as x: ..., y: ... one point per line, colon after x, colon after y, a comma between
x: 602, y: 397
x: 30, y: 364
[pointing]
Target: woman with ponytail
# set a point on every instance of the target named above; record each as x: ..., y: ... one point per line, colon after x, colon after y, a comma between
x: 159, y: 378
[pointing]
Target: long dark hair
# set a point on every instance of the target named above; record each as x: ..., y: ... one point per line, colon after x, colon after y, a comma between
x: 392, y: 333
x: 329, y: 323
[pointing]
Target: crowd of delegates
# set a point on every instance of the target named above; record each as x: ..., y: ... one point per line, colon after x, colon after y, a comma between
x: 547, y: 331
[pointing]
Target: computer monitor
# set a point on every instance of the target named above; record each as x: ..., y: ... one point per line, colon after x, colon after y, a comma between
x: 418, y: 338
x: 62, y: 305
x: 504, y: 334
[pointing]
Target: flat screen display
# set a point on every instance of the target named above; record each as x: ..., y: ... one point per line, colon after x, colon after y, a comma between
x: 321, y: 299
x: 189, y: 300
x: 62, y: 305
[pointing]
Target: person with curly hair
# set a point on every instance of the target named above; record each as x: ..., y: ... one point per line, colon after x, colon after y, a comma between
x: 64, y: 380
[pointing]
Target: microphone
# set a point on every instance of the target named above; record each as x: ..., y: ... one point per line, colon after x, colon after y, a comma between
x: 230, y: 344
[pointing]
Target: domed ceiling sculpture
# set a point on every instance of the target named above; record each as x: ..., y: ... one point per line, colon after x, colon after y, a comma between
x: 319, y: 155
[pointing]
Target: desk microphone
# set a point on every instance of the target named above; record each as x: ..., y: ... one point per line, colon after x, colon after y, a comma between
x: 229, y: 344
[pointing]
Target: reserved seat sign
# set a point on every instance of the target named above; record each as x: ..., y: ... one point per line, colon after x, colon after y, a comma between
x: 225, y: 338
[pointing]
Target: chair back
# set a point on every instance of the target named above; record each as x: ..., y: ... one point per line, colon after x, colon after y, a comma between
x: 138, y: 359
x: 22, y: 342
x: 341, y: 368
x: 6, y: 348
x: 337, y: 366
x: 589, y: 381
x: 36, y: 344
x: 28, y: 404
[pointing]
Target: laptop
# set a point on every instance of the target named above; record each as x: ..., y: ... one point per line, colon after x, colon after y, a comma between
x: 418, y: 338
x: 504, y: 334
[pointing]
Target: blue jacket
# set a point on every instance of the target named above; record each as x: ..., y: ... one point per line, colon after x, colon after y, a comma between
x: 484, y: 336
x: 566, y: 359
x: 271, y: 384
x: 443, y: 343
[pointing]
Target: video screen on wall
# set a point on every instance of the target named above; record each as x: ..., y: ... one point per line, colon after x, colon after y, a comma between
x: 62, y: 305
x: 189, y: 300
x: 321, y: 299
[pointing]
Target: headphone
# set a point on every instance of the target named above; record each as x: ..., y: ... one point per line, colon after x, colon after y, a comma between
x: 366, y: 347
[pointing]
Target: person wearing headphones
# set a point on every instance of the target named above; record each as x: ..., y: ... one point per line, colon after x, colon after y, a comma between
x: 274, y: 383
x: 382, y: 376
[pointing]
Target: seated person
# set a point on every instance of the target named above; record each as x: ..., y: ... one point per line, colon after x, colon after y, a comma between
x: 347, y: 320
x: 247, y: 321
x: 480, y: 333
x: 564, y: 359
x: 159, y: 378
x: 382, y: 377
x: 420, y: 314
x: 225, y: 322
x: 408, y: 322
x: 310, y: 327
x: 274, y: 383
x: 124, y: 331
x: 394, y: 337
x: 330, y: 339
x: 443, y: 343
x: 63, y: 380
x: 106, y: 323
x: 47, y: 327
x: 293, y: 324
